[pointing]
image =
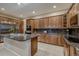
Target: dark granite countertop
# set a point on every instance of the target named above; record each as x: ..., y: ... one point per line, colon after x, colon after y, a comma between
x: 22, y: 36
x: 75, y: 45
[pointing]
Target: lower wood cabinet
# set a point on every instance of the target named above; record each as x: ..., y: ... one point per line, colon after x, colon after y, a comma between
x: 61, y: 41
x: 41, y: 38
x: 51, y: 39
x: 69, y: 50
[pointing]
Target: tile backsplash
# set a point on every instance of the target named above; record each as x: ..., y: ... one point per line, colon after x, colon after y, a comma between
x: 53, y: 31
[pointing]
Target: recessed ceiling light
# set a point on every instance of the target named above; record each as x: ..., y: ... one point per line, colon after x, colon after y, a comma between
x: 21, y: 15
x: 19, y: 3
x: 33, y: 12
x: 54, y: 6
x: 2, y: 9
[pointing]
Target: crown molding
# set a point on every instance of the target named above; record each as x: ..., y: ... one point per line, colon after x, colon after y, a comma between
x: 8, y: 16
x: 60, y: 12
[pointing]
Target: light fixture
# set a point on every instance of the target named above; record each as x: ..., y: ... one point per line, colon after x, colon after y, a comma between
x: 2, y: 9
x: 21, y: 15
x: 54, y: 6
x: 19, y: 3
x: 33, y: 12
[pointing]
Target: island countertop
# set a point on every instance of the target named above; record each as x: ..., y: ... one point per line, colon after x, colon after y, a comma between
x: 34, y: 35
x: 73, y: 44
x: 21, y: 36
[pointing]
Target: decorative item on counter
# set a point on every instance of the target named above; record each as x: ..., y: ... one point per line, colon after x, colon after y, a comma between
x: 13, y: 30
x: 45, y: 31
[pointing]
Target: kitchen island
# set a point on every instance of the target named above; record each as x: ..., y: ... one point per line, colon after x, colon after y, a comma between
x: 21, y: 48
x: 71, y: 48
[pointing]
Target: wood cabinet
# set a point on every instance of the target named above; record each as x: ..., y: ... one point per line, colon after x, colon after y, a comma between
x: 21, y: 29
x: 61, y: 41
x: 69, y: 50
x: 15, y: 22
x: 52, y: 22
x: 51, y: 39
x: 41, y: 23
x: 46, y: 22
x: 41, y: 37
x: 6, y: 20
x: 72, y: 16
x: 34, y: 45
x: 72, y: 21
x: 36, y: 23
x: 66, y: 50
x: 49, y: 22
x: 56, y: 21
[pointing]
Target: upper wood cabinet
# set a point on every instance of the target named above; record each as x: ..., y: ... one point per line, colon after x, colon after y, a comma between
x: 56, y: 21
x: 72, y: 16
x: 36, y: 23
x: 6, y: 20
x: 51, y: 21
x: 41, y: 23
x: 46, y: 22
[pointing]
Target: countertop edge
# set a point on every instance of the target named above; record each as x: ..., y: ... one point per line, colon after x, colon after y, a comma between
x: 75, y: 45
x: 34, y: 35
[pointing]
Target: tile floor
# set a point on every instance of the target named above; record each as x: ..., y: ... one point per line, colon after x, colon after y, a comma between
x: 15, y: 48
x: 43, y: 50
x: 49, y: 50
x: 6, y: 52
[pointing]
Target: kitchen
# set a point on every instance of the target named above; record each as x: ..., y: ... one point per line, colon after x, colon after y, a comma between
x: 42, y: 29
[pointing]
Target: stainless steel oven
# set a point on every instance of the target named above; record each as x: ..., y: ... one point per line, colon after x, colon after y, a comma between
x: 28, y: 32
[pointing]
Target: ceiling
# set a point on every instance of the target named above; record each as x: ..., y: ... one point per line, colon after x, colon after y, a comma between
x: 25, y: 10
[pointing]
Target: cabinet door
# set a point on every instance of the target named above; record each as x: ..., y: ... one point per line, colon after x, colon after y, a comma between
x: 72, y: 12
x: 41, y: 38
x: 61, y: 40
x: 56, y: 21
x: 53, y: 39
x: 60, y: 21
x: 51, y: 22
x: 68, y: 20
x: 21, y: 27
x: 41, y: 23
x: 36, y: 22
x: 34, y: 46
x: 46, y: 38
x: 46, y: 22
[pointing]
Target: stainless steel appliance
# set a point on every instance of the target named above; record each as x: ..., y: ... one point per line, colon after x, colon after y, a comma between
x: 28, y: 32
